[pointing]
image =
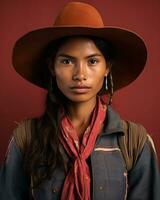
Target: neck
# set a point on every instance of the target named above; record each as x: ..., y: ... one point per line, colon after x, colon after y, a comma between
x: 80, y: 114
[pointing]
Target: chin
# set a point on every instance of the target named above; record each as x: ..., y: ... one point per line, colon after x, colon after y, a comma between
x: 81, y: 98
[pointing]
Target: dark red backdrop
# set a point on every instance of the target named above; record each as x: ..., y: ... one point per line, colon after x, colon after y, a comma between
x: 19, y: 99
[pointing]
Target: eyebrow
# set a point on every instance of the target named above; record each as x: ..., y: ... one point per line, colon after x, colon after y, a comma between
x: 72, y: 57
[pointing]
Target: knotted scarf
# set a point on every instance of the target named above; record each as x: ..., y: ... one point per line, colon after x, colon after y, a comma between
x: 77, y: 182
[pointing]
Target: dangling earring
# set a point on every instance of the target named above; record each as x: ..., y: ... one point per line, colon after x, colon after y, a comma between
x: 106, y: 83
x: 111, y: 89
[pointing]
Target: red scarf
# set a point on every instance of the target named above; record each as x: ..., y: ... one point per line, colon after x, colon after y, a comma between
x: 77, y: 182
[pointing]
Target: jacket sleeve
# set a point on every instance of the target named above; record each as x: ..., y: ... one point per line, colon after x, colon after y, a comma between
x: 144, y: 178
x: 13, y: 183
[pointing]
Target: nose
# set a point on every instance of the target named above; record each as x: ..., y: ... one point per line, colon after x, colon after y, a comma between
x: 80, y: 72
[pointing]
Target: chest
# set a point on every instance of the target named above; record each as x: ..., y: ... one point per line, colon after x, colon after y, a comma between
x: 108, y: 174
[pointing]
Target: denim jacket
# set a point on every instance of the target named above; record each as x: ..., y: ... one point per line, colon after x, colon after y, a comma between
x: 109, y: 178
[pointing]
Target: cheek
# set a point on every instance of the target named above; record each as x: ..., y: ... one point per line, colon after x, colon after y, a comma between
x: 99, y: 83
x: 99, y: 76
x: 62, y: 78
x: 60, y: 81
x: 60, y: 74
x: 98, y: 79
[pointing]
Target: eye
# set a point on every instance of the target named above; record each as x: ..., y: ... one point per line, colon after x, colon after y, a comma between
x: 93, y: 61
x: 66, y: 61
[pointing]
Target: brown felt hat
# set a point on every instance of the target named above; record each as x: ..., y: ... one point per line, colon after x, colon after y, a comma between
x: 77, y: 18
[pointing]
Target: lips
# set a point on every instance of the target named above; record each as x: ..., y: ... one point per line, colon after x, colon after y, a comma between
x: 80, y: 89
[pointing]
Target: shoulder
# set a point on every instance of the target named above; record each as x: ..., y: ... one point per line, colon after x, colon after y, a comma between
x: 134, y: 131
x: 135, y: 134
x: 22, y: 133
x: 132, y: 141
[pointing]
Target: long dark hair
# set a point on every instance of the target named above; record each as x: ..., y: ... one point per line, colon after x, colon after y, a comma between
x: 43, y: 154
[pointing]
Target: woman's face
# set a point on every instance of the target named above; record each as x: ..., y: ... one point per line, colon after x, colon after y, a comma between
x: 79, y: 69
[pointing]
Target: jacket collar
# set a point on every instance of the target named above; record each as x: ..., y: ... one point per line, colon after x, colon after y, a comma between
x: 113, y: 122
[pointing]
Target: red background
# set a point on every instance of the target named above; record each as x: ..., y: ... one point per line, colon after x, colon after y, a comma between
x: 139, y: 102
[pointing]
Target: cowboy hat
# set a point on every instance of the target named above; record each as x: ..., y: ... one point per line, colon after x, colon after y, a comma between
x: 77, y: 18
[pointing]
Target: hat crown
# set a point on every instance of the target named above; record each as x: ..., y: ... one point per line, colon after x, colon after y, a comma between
x: 79, y: 14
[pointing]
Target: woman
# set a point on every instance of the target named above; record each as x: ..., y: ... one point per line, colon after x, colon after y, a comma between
x: 75, y: 149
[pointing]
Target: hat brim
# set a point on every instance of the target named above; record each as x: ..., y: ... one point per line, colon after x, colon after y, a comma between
x: 130, y: 53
